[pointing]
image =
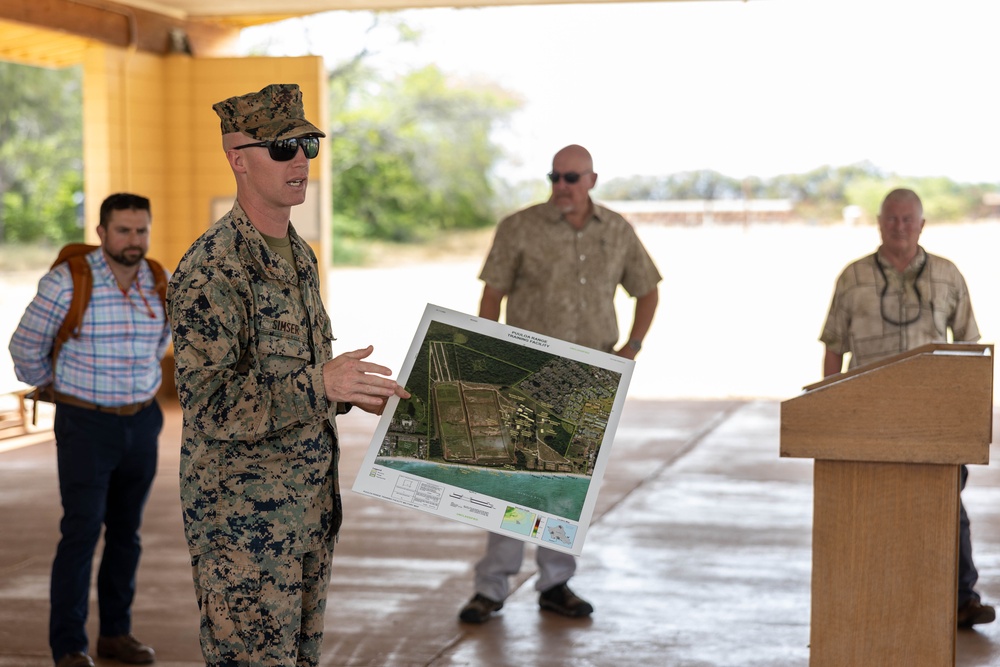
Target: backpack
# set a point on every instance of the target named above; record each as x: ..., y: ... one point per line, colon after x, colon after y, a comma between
x: 75, y: 256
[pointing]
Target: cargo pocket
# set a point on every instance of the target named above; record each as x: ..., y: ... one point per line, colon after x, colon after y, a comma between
x: 229, y: 598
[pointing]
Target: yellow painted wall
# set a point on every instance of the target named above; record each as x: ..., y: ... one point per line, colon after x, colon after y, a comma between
x: 123, y: 109
x: 149, y: 128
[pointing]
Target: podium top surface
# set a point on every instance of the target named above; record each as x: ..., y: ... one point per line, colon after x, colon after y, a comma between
x: 932, y: 404
x: 970, y: 349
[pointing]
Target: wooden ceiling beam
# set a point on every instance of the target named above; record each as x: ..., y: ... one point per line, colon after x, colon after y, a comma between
x: 125, y: 27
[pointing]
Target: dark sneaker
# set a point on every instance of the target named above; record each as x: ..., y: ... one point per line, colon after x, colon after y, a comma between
x: 974, y: 612
x: 479, y: 609
x: 562, y: 600
x: 125, y: 648
x: 75, y: 659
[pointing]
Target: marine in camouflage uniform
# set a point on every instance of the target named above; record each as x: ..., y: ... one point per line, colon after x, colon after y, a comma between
x: 258, y: 470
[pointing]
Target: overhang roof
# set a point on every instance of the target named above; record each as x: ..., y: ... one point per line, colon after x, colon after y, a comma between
x: 55, y: 32
x: 243, y: 13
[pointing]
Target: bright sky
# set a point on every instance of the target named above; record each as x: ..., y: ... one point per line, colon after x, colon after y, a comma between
x: 745, y: 88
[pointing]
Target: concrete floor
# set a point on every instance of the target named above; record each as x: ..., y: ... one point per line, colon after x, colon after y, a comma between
x: 699, y: 556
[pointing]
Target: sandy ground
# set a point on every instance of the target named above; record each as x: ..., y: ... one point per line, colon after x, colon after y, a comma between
x: 740, y: 308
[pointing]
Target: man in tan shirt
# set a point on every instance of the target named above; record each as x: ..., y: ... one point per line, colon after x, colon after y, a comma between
x: 558, y: 264
x: 892, y: 301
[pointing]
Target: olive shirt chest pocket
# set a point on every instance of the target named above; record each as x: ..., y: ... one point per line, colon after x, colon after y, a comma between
x: 283, y: 348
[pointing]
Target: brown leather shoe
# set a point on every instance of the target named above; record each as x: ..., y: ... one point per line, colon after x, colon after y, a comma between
x: 75, y: 659
x: 125, y: 648
x: 562, y: 600
x: 479, y: 609
x: 975, y: 612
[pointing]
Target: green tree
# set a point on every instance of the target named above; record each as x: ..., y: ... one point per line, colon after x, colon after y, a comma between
x: 41, y: 153
x: 819, y: 194
x: 701, y: 184
x: 867, y: 193
x: 944, y: 200
x: 412, y: 154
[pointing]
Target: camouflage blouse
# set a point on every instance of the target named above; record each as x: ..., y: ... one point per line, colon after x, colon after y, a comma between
x: 259, y: 455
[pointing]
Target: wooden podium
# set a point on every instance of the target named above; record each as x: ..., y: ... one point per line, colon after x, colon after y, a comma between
x: 888, y: 439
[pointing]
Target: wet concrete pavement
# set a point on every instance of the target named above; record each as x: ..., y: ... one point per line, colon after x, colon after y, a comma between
x: 699, y: 555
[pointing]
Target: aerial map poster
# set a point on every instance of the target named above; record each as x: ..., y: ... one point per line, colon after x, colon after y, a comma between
x: 506, y: 430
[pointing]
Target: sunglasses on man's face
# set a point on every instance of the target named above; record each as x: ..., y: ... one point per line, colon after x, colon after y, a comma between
x: 570, y: 177
x: 284, y: 150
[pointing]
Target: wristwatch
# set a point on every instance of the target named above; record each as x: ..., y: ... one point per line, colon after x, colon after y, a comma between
x: 635, y: 345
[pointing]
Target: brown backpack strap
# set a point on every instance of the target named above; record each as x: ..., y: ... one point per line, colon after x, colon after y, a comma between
x: 73, y: 250
x: 160, y: 282
x: 83, y: 284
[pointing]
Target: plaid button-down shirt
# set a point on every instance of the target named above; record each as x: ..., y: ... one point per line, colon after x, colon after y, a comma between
x: 878, y: 311
x: 116, y: 359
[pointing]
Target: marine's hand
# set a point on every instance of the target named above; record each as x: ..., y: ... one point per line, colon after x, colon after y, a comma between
x: 349, y: 378
x: 375, y: 409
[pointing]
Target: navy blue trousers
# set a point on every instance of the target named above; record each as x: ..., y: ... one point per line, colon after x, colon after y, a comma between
x: 106, y: 468
x: 968, y: 575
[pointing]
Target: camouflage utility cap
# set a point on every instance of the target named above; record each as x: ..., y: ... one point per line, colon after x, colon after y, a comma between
x: 273, y: 113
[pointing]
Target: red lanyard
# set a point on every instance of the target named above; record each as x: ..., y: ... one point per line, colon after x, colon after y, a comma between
x: 138, y: 287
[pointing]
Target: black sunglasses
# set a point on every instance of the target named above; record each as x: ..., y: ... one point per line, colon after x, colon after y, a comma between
x: 284, y: 150
x: 570, y: 177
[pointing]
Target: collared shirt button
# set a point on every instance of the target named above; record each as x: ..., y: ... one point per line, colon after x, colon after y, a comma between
x: 583, y: 257
x: 583, y: 281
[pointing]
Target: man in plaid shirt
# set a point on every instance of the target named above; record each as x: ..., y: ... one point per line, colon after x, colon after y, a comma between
x: 107, y: 423
x: 894, y: 300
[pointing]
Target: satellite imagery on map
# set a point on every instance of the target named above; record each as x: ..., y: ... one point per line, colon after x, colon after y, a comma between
x: 482, y: 408
x: 505, y: 430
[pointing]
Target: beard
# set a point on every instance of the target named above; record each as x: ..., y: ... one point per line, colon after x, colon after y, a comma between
x: 124, y: 259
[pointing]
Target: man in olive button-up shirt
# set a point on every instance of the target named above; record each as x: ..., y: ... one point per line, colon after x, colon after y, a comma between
x: 558, y: 265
